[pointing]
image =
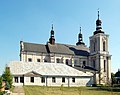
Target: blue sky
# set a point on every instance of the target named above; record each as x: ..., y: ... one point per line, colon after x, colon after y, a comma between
x: 30, y: 21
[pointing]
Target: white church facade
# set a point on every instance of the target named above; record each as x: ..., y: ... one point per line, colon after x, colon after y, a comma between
x: 54, y: 64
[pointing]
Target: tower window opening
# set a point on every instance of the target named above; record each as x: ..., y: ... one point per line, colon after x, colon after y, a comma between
x: 104, y: 65
x: 94, y: 46
x: 93, y: 63
x: 104, y: 46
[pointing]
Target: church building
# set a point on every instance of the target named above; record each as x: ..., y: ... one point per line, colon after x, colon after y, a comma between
x: 72, y: 62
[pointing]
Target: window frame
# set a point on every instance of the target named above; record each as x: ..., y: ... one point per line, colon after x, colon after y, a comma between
x: 32, y: 79
x: 21, y: 79
x: 57, y: 60
x: 73, y: 79
x: 104, y: 65
x: 53, y: 80
x: 29, y: 59
x: 63, y: 79
x: 38, y: 60
x: 42, y: 79
x: 16, y: 79
x: 67, y: 61
x: 104, y: 47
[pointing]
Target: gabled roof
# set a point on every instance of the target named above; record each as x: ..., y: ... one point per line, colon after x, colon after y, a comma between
x: 45, y: 69
x: 32, y: 47
x: 80, y: 50
x: 32, y: 73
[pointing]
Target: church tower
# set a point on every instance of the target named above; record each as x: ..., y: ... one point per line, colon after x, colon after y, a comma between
x: 100, y: 59
x: 80, y: 39
x: 52, y: 39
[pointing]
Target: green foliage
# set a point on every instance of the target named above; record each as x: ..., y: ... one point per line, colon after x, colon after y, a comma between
x: 1, y: 82
x: 7, y: 77
x: 114, y: 80
x: 117, y: 74
x: 2, y: 93
x: 7, y: 86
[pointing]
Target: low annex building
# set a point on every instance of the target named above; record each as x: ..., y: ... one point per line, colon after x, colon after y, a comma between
x: 49, y: 74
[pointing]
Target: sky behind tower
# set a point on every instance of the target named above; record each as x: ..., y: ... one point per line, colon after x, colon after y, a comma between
x: 31, y: 20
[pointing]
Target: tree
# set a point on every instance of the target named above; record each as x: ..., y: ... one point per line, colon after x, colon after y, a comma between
x: 0, y: 82
x: 114, y: 80
x: 117, y: 75
x: 7, y: 77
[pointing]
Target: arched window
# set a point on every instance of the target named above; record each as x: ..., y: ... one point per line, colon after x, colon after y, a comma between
x: 104, y: 46
x: 104, y: 65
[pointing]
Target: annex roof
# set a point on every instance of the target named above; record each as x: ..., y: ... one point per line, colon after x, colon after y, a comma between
x: 45, y: 69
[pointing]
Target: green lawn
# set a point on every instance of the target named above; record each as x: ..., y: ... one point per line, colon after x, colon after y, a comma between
x: 38, y: 90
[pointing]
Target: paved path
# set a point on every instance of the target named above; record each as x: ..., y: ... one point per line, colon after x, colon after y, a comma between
x: 18, y: 90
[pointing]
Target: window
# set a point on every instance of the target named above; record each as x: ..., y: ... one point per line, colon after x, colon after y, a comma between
x: 45, y: 60
x: 104, y: 46
x: 63, y: 79
x: 42, y: 79
x: 67, y: 61
x: 84, y: 63
x: 21, y: 79
x: 93, y: 63
x: 58, y: 60
x: 32, y: 79
x: 29, y: 59
x: 73, y: 79
x: 94, y: 46
x: 75, y: 62
x: 104, y: 65
x: 16, y: 79
x: 53, y: 79
x: 38, y: 60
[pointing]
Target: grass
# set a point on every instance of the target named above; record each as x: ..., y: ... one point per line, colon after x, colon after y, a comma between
x: 42, y: 90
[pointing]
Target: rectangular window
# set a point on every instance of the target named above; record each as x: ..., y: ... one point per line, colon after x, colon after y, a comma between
x: 21, y: 79
x: 53, y: 79
x: 58, y: 60
x: 29, y: 59
x: 94, y: 64
x: 38, y: 60
x: 42, y: 79
x: 16, y: 79
x: 63, y: 79
x: 75, y: 62
x: 67, y: 61
x: 104, y: 65
x: 32, y: 79
x: 73, y: 79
